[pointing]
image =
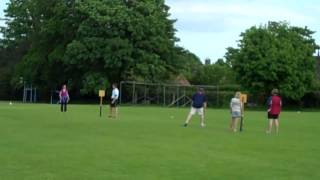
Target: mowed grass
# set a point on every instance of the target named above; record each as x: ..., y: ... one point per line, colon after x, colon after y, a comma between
x: 37, y: 142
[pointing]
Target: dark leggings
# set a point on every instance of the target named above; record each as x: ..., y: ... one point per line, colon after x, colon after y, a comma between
x: 63, y: 106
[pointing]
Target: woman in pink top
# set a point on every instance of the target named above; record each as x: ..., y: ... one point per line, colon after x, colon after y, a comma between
x: 64, y: 98
x: 274, y: 109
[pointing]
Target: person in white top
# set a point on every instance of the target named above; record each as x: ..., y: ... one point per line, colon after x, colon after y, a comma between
x: 236, y: 111
x: 114, y: 101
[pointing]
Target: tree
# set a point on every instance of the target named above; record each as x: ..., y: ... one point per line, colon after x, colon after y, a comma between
x: 47, y: 26
x: 90, y: 43
x: 189, y: 64
x: 276, y: 55
x: 218, y: 73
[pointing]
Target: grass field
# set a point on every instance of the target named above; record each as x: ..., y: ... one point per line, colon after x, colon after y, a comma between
x: 37, y: 142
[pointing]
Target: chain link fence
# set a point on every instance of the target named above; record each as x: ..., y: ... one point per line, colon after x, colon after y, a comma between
x: 173, y: 95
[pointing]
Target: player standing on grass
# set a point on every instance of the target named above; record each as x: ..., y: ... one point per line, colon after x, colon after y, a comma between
x: 236, y: 111
x: 114, y: 101
x: 274, y: 104
x: 64, y: 98
x: 199, y: 104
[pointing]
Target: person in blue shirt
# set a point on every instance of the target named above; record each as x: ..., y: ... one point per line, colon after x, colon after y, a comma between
x: 199, y: 104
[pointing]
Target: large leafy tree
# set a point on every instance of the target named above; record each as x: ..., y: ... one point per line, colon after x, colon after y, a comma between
x: 276, y: 55
x: 47, y: 26
x: 218, y: 73
x: 189, y: 64
x: 89, y: 43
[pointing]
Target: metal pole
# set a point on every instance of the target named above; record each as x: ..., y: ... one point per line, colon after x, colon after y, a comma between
x: 51, y: 100
x: 184, y: 95
x: 217, y: 95
x: 164, y: 95
x: 24, y: 93
x: 145, y: 94
x: 100, y: 106
x: 158, y: 94
x: 241, y: 120
x: 120, y: 93
x: 177, y: 96
x: 30, y: 98
x: 35, y: 95
x: 133, y: 92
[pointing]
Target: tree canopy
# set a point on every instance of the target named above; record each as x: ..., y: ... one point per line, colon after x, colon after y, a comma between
x: 275, y: 55
x: 89, y: 43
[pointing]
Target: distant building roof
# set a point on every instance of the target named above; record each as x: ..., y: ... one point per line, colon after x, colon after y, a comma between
x: 182, y: 80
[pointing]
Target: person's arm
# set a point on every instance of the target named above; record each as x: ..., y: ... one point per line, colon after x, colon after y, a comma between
x: 192, y: 99
x: 269, y: 103
x: 60, y: 95
x: 68, y: 96
x: 205, y: 103
x: 280, y: 104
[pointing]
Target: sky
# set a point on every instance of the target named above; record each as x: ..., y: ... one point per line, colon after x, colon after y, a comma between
x: 208, y: 27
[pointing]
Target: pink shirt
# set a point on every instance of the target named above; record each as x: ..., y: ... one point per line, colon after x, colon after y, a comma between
x: 64, y: 93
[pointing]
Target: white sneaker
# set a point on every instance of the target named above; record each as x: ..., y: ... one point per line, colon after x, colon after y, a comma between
x: 203, y: 125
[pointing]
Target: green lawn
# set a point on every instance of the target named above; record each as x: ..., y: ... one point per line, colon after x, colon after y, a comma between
x: 37, y: 142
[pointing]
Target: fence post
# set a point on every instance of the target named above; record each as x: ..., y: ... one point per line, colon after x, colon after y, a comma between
x: 120, y: 92
x: 31, y: 95
x: 133, y: 92
x: 145, y: 94
x: 164, y: 95
x: 217, y: 95
x: 178, y: 88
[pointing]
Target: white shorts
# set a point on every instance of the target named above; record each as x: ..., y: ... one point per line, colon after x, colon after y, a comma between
x: 199, y: 111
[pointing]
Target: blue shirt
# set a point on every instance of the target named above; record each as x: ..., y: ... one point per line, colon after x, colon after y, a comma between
x: 198, y: 99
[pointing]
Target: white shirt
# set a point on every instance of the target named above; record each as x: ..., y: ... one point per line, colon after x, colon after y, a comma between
x: 235, y: 105
x: 115, y: 93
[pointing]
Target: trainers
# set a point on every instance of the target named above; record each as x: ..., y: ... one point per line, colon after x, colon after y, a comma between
x: 203, y: 125
x: 185, y: 125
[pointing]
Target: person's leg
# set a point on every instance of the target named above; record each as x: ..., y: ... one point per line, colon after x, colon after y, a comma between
x: 200, y: 112
x: 231, y: 124
x: 116, y: 112
x: 191, y: 113
x: 113, y: 112
x: 65, y: 107
x: 270, y: 126
x: 61, y: 106
x: 188, y: 119
x: 202, y: 120
x: 110, y: 111
x: 235, y: 124
x: 276, y: 121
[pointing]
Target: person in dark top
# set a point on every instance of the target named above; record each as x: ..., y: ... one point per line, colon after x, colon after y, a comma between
x: 199, y: 104
x: 274, y: 109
